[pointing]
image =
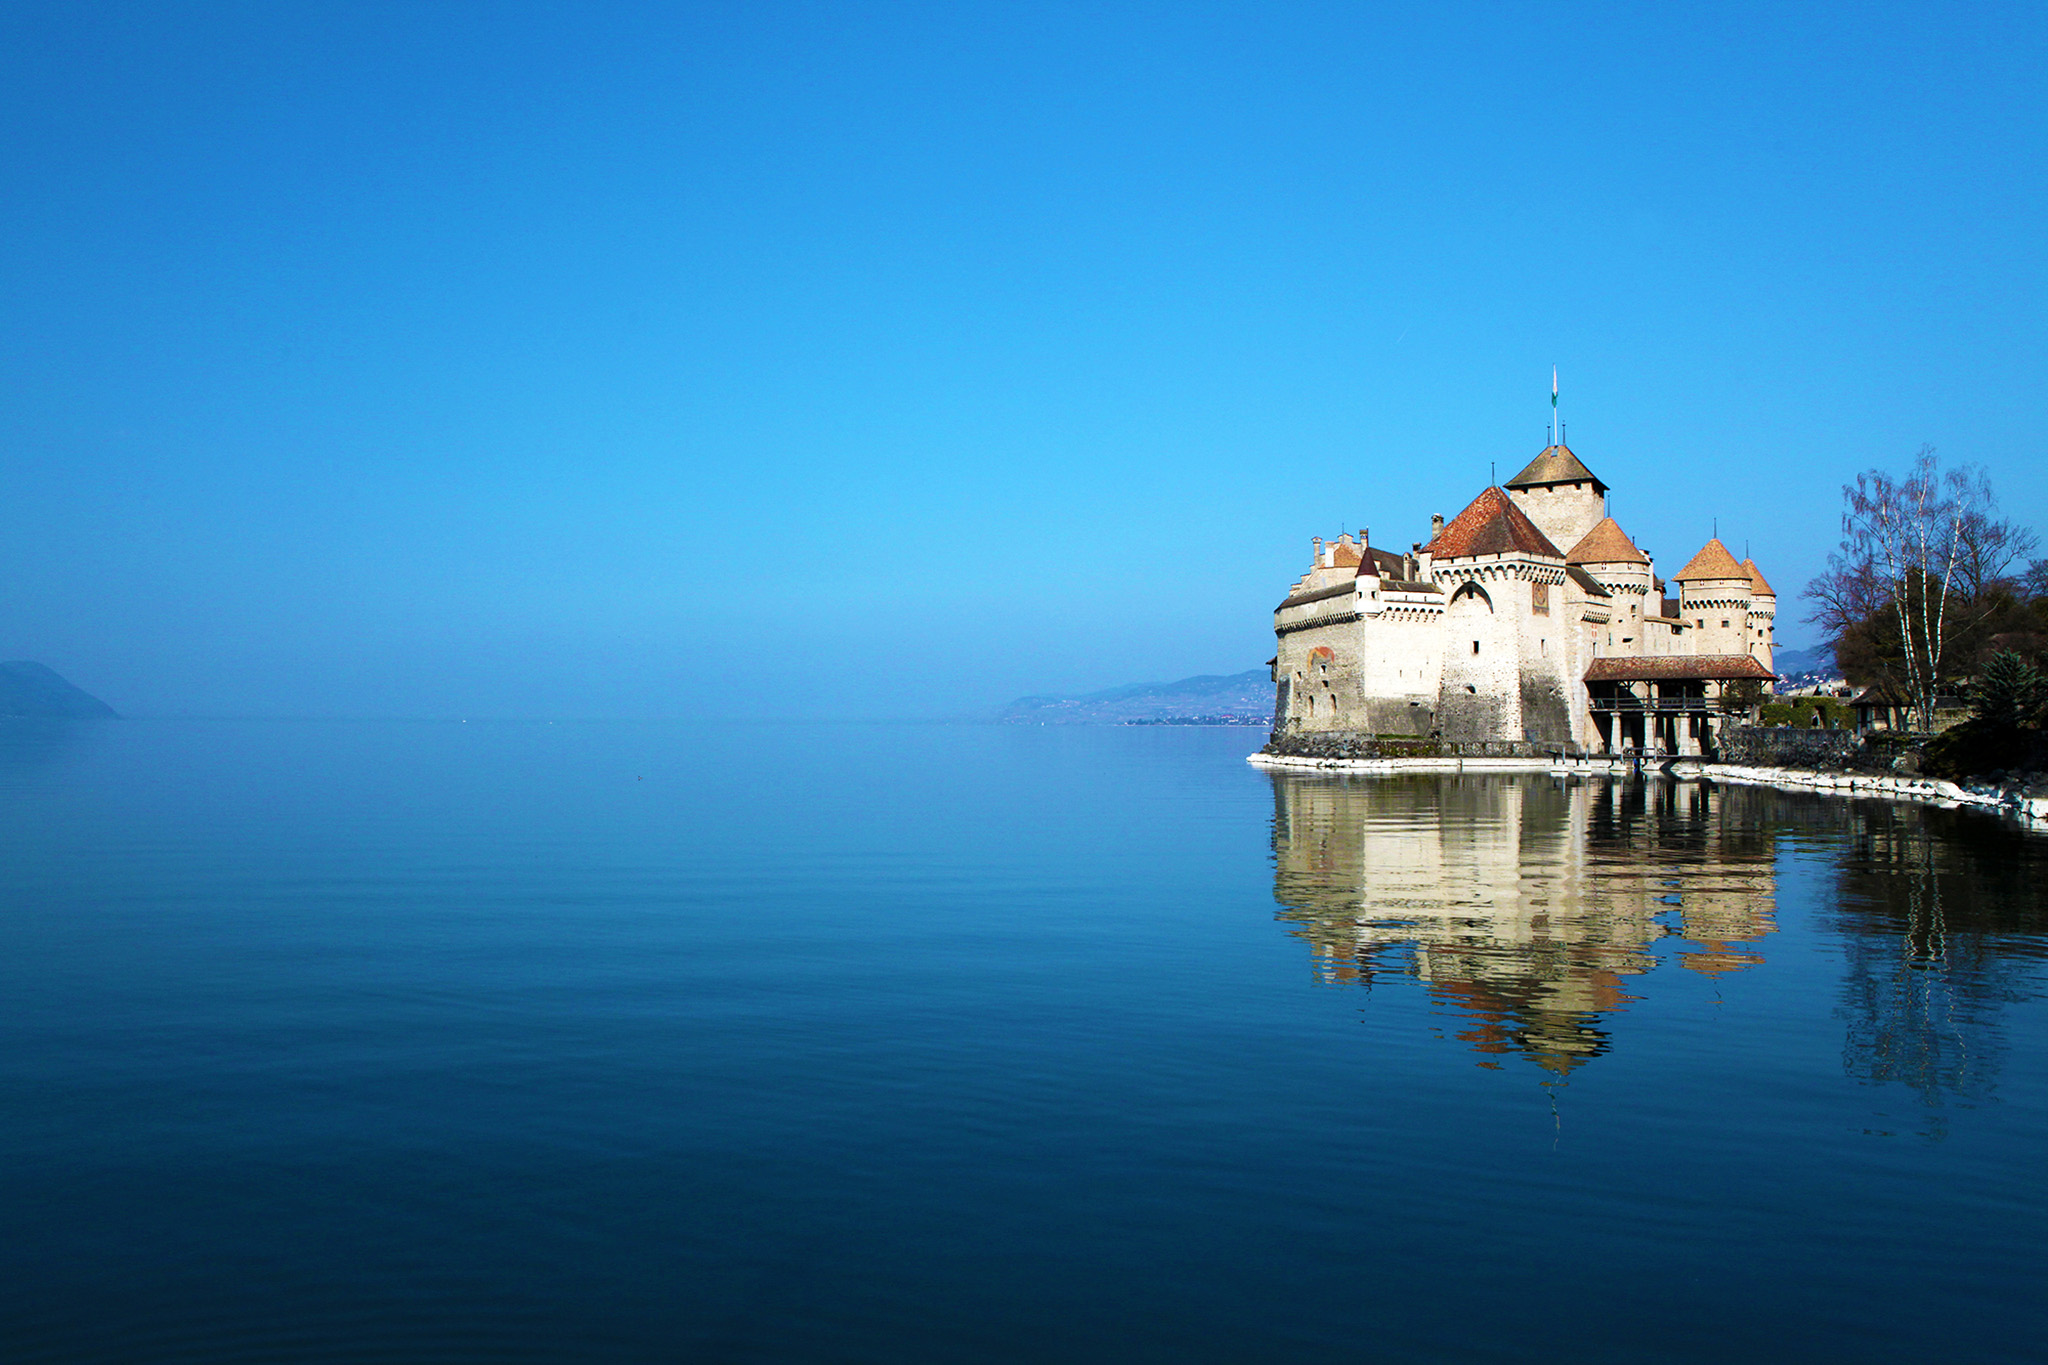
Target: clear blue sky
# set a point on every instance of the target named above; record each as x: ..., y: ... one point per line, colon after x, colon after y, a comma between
x: 893, y: 360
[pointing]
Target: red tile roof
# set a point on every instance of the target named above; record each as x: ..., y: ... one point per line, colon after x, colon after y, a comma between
x: 1676, y: 668
x: 1713, y: 561
x: 1606, y: 543
x: 1556, y: 464
x: 1491, y: 525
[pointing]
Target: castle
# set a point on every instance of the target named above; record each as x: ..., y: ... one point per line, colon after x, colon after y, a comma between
x: 1491, y: 633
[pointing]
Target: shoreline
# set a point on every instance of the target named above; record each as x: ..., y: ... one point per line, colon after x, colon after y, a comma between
x: 1895, y: 787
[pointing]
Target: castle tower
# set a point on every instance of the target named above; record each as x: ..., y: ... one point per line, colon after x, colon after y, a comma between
x: 1763, y: 612
x: 1619, y: 566
x: 1560, y: 495
x: 1715, y: 595
x: 1506, y: 656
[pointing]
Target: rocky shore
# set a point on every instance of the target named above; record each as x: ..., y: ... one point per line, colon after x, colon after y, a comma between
x: 2015, y: 795
x: 2023, y: 795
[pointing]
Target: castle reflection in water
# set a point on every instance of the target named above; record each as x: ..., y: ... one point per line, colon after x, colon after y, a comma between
x: 1529, y: 906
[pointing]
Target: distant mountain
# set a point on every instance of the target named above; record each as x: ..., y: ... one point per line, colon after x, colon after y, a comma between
x: 30, y: 689
x: 1237, y: 699
x: 1806, y: 667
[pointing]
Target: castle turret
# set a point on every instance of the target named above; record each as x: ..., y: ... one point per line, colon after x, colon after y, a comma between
x: 1714, y: 597
x: 1560, y: 495
x: 1763, y: 613
x: 1619, y: 566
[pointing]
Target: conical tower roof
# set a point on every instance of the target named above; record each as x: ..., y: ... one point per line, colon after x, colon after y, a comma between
x: 1556, y: 464
x: 1756, y: 580
x: 1491, y: 525
x: 1606, y: 543
x: 1713, y: 561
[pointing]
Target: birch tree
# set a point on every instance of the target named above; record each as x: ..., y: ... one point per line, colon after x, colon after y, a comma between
x: 1904, y: 546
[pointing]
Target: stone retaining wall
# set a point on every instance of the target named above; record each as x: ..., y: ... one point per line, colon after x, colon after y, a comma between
x: 1784, y: 746
x: 1357, y: 745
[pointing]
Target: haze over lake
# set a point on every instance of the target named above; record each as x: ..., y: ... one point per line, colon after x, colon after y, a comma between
x: 341, y: 1041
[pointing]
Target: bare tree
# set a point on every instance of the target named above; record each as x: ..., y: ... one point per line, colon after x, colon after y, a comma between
x: 1847, y: 595
x: 1914, y: 548
x: 1990, y: 545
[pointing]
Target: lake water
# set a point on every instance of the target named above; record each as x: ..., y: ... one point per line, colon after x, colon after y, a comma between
x: 508, y: 1042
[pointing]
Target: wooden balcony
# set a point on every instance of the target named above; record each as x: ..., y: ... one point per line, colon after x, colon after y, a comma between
x: 1657, y: 706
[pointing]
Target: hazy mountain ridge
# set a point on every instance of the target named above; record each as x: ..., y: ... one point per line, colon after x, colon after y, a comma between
x: 1226, y: 699
x: 32, y: 689
x: 1247, y: 698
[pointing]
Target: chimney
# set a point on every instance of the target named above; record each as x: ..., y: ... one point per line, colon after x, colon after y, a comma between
x: 1364, y: 537
x: 1436, y: 525
x: 1317, y: 543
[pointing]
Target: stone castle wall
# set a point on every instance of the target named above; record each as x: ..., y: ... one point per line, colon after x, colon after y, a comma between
x: 1354, y: 661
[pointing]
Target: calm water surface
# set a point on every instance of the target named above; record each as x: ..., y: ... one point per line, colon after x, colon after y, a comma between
x: 561, y: 1042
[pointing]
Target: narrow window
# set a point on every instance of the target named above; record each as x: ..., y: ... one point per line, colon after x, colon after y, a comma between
x: 1475, y: 646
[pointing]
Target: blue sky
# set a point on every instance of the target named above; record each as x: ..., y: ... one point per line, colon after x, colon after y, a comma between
x: 894, y: 360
